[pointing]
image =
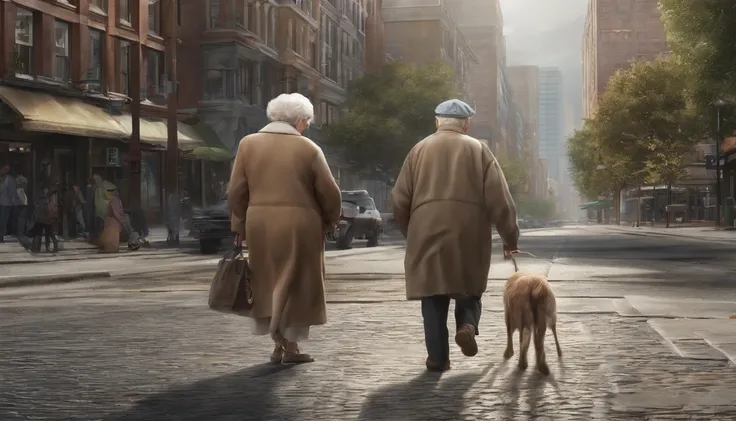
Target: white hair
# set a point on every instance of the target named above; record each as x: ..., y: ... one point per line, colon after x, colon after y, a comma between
x: 290, y: 108
x: 452, y: 121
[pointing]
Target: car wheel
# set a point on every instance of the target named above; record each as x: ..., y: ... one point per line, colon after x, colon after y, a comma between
x: 209, y: 246
x: 344, y: 241
x: 373, y: 239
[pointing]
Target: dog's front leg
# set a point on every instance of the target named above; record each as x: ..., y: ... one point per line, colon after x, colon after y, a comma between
x: 509, y: 337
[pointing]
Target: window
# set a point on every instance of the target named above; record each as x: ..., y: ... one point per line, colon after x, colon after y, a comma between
x: 126, y: 13
x: 94, y: 72
x: 124, y: 66
x: 61, y: 50
x: 246, y: 81
x: 329, y: 49
x: 213, y: 19
x: 155, y: 64
x: 98, y: 6
x: 23, y: 50
x: 219, y: 84
x: 154, y: 17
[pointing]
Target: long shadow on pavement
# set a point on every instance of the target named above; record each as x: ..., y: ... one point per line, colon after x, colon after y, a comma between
x: 244, y: 395
x: 429, y: 396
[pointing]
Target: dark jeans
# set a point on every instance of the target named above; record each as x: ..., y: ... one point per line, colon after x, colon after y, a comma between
x: 5, y: 212
x: 434, y: 311
x: 43, y: 230
x: 21, y: 227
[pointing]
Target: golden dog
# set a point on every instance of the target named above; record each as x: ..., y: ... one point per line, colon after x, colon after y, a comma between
x: 529, y: 303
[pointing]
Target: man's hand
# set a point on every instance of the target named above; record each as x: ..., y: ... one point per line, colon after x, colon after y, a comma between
x: 508, y: 251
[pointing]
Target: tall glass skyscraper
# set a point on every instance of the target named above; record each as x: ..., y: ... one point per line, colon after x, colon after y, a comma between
x: 551, y: 122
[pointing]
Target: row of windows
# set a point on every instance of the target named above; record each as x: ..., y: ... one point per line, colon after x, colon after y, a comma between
x: 24, y: 55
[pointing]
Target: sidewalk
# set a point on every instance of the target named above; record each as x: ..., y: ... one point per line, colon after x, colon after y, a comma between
x: 705, y: 233
x: 11, y: 252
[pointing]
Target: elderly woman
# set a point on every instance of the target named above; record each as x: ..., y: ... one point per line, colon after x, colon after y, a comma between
x: 115, y: 221
x: 283, y: 190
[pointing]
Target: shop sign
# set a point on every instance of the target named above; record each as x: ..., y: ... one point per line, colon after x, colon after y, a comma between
x: 113, y: 157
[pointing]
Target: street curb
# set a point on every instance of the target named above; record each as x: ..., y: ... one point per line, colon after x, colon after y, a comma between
x: 646, y: 233
x: 38, y: 280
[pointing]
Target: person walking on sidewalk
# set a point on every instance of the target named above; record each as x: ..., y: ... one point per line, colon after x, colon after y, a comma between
x: 284, y: 197
x: 22, y: 206
x: 46, y: 216
x: 448, y: 195
x: 8, y: 194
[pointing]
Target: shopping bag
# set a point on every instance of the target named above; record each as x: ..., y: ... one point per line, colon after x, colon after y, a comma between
x: 230, y: 291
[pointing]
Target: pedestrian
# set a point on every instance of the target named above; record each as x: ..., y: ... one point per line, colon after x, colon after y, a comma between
x: 46, y: 217
x: 78, y: 203
x: 114, y: 222
x: 283, y: 190
x: 22, y: 206
x: 448, y: 195
x: 8, y: 194
x: 100, y: 202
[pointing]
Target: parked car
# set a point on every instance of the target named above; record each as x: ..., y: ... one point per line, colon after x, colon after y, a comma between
x: 211, y: 225
x: 359, y: 220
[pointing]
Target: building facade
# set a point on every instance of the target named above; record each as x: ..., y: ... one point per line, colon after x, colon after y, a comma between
x: 551, y: 120
x: 245, y: 52
x: 616, y: 32
x: 524, y: 82
x: 237, y: 55
x: 71, y: 73
x: 423, y: 31
x: 481, y: 23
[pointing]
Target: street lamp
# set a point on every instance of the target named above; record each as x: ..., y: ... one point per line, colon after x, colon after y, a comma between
x: 718, y: 104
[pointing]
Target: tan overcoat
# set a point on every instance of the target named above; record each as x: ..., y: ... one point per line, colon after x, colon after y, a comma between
x: 449, y: 193
x: 282, y: 187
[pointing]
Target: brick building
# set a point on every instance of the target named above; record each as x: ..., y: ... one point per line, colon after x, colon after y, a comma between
x: 616, y: 32
x: 481, y: 23
x: 67, y: 78
x: 239, y: 54
x: 236, y: 55
x: 423, y: 31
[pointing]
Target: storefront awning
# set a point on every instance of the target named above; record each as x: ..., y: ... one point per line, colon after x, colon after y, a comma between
x: 43, y: 112
x: 599, y: 204
x: 154, y: 132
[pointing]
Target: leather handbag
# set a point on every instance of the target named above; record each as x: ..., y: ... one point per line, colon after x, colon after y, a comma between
x: 230, y: 291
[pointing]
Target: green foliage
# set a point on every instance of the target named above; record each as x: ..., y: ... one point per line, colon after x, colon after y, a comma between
x: 515, y: 171
x: 388, y: 113
x: 644, y: 130
x: 701, y: 33
x: 544, y: 209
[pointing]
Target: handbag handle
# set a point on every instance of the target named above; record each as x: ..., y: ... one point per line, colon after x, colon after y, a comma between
x: 236, y: 251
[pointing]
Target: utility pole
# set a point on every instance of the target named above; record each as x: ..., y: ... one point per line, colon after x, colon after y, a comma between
x: 172, y: 144
x: 718, y: 167
x: 134, y: 191
x: 171, y: 17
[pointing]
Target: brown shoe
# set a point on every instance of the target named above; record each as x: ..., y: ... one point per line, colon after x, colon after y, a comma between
x: 465, y: 339
x: 277, y: 355
x: 435, y: 366
x: 293, y: 356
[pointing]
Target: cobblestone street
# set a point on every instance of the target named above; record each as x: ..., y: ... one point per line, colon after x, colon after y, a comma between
x: 147, y: 348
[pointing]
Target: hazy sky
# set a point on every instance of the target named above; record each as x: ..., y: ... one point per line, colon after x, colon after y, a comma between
x: 548, y: 33
x: 540, y: 15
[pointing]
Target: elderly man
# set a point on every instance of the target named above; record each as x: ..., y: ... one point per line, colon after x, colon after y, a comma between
x: 449, y: 193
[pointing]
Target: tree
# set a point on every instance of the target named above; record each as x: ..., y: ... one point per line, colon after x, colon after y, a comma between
x: 701, y: 34
x: 515, y: 171
x: 544, y: 209
x: 388, y: 113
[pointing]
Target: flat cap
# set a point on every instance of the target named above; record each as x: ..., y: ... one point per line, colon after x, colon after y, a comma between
x: 454, y: 108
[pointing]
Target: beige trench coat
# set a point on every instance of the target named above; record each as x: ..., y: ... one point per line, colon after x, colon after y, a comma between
x: 449, y: 193
x: 282, y: 187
